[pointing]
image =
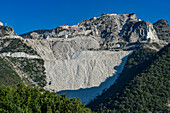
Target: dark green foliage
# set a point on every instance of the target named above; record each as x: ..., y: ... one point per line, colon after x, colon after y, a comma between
x: 136, y: 61
x: 8, y: 76
x: 26, y: 99
x: 154, y: 44
x: 34, y: 68
x: 142, y: 87
x: 16, y: 45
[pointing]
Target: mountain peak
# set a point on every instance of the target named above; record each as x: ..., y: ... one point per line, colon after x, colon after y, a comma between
x: 162, y: 21
x: 108, y: 28
x: 163, y: 29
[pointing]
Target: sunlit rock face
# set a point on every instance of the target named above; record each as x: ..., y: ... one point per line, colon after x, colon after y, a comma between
x: 163, y: 30
x: 7, y: 32
x: 111, y: 31
x: 140, y: 31
x: 86, y: 69
x: 71, y: 65
x: 1, y: 24
x: 85, y: 55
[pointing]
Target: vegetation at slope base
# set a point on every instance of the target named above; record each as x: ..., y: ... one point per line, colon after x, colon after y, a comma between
x: 8, y: 75
x: 16, y: 45
x: 135, y: 64
x: 146, y: 89
x: 33, y: 68
x: 26, y: 99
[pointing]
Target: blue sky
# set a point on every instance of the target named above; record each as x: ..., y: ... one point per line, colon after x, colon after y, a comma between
x: 29, y: 15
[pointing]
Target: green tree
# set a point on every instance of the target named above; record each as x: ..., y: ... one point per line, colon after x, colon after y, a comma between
x: 27, y: 99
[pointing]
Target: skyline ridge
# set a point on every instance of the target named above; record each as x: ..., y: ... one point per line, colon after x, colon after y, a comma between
x: 26, y: 16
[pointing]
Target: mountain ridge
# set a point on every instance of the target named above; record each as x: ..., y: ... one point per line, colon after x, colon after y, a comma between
x: 147, y: 91
x: 79, y: 56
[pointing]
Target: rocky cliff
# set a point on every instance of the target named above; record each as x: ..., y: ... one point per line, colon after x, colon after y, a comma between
x: 163, y: 30
x: 71, y: 62
x: 79, y: 56
x: 7, y: 32
x: 110, y: 30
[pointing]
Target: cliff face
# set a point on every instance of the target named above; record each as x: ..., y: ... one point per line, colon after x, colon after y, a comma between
x: 23, y: 60
x: 163, y: 30
x: 68, y: 64
x: 71, y: 65
x: 139, y: 31
x: 7, y: 32
x: 111, y: 31
x: 79, y: 56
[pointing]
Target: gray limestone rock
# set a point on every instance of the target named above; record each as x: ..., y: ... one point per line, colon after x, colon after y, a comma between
x: 71, y: 65
x: 19, y: 55
x: 87, y: 54
x: 110, y: 30
x: 6, y: 31
x: 163, y: 30
x: 139, y: 32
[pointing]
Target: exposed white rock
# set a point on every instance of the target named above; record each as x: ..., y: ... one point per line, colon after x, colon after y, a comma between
x: 113, y: 14
x: 84, y: 70
x: 133, y: 17
x: 88, y: 94
x: 19, y: 54
x: 75, y: 57
x: 69, y: 65
x: 62, y: 48
x: 35, y: 35
x: 140, y: 32
x: 1, y: 24
x: 7, y: 32
x: 42, y: 47
x: 152, y: 34
x: 63, y: 33
x: 110, y: 28
x: 11, y: 36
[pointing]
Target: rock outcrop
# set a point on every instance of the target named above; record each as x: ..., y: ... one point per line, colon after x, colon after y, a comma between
x: 71, y: 65
x: 83, y: 55
x: 19, y: 55
x: 111, y: 30
x: 7, y: 32
x: 163, y: 30
x: 139, y: 31
x: 89, y: 69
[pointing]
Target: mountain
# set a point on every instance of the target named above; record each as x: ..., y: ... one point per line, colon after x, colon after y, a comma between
x: 81, y: 60
x: 163, y: 29
x: 147, y: 89
x: 7, y: 32
x: 8, y: 75
x: 112, y: 31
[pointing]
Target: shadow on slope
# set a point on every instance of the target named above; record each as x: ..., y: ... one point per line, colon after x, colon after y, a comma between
x: 136, y: 63
x: 88, y: 94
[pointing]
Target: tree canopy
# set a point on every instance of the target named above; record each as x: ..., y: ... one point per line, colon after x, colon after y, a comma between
x: 28, y: 99
x: 146, y: 89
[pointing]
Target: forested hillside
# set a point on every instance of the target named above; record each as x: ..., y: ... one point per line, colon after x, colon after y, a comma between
x: 26, y: 99
x: 84, y: 60
x: 8, y: 75
x: 143, y: 85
